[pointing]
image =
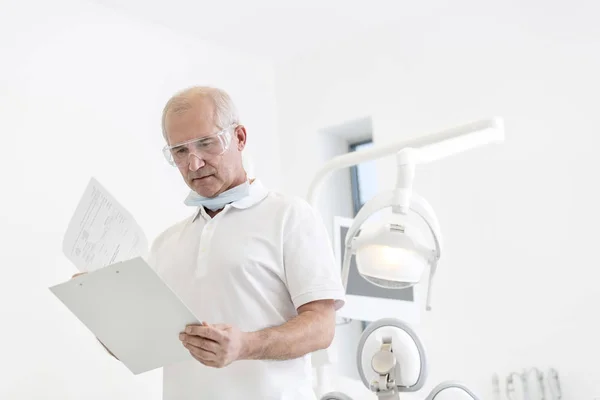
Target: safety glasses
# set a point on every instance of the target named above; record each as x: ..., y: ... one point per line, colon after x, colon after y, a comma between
x: 178, y: 155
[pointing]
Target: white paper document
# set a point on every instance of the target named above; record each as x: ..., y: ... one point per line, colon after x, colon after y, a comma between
x: 120, y: 299
x: 102, y: 232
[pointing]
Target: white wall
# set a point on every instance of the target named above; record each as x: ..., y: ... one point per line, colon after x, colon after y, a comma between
x: 81, y: 92
x: 518, y: 283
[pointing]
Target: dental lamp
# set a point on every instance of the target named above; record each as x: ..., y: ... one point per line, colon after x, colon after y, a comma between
x: 391, y: 253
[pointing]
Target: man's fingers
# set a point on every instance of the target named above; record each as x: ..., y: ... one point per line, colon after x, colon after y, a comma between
x: 206, y: 331
x: 223, y: 327
x: 204, y: 344
x: 77, y: 274
x: 205, y: 362
x: 200, y: 354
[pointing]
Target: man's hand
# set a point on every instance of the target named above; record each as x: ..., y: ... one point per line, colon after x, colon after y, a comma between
x: 214, y: 345
x: 219, y: 345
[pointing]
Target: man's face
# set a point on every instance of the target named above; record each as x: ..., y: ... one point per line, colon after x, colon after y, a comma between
x: 207, y: 175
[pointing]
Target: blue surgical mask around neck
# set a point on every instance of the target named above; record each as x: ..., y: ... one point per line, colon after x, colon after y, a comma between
x: 221, y: 200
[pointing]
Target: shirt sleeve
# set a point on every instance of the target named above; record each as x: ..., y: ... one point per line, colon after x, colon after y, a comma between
x: 310, y: 268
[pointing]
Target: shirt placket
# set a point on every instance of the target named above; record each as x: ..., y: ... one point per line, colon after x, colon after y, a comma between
x: 206, y: 237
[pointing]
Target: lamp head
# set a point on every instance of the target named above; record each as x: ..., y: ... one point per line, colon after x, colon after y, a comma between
x: 391, y: 254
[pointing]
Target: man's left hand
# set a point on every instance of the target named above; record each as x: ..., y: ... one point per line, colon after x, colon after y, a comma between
x: 215, y: 345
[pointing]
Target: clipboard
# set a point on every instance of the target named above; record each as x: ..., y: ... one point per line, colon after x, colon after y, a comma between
x: 132, y: 312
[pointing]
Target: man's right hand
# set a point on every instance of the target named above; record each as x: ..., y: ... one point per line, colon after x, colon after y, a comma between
x: 77, y: 274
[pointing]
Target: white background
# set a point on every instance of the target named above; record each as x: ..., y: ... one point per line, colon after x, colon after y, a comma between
x: 81, y: 91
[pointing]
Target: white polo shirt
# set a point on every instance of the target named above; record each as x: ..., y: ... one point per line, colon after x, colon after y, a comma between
x: 250, y: 266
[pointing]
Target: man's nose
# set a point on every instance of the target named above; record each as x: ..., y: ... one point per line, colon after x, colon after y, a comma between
x: 196, y: 162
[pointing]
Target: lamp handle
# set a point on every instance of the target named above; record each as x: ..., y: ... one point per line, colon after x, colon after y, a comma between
x: 346, y: 266
x: 433, y: 268
x: 422, y: 208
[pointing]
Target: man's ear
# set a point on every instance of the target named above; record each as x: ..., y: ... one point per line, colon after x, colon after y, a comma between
x: 240, y: 134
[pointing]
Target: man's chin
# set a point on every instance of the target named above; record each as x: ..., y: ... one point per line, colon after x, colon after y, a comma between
x: 203, y: 186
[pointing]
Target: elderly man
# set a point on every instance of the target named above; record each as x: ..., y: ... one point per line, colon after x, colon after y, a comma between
x: 254, y: 264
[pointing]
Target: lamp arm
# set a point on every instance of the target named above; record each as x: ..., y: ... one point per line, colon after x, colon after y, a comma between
x: 431, y: 147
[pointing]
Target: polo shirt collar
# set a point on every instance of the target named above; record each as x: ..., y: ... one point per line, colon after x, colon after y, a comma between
x: 257, y: 192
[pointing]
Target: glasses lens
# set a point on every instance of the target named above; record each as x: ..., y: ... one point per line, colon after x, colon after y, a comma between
x: 211, y: 146
x: 202, y: 148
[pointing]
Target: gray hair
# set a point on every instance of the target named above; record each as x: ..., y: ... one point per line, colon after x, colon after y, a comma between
x: 225, y: 110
